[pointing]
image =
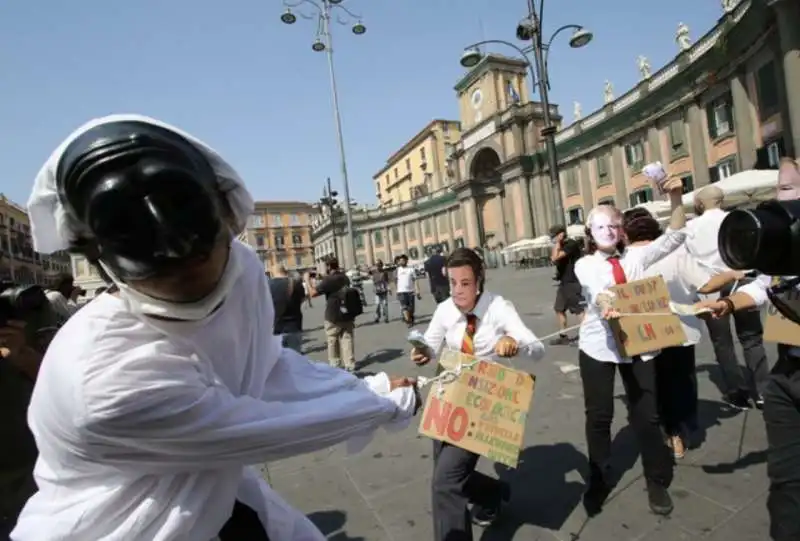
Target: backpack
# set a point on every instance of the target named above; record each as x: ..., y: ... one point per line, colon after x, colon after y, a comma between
x: 349, y: 300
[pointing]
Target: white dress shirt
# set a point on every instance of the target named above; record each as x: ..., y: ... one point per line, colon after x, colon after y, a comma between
x: 702, y: 242
x: 146, y: 428
x: 596, y: 276
x: 497, y: 317
x: 406, y: 276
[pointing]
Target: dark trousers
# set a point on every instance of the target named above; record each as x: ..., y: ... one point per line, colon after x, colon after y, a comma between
x: 244, y: 525
x: 440, y: 293
x: 782, y: 419
x: 749, y: 331
x: 639, y: 379
x: 676, y: 389
x: 455, y: 484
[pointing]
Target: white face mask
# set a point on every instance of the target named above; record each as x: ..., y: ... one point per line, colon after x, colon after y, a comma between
x: 605, y: 230
x: 141, y: 304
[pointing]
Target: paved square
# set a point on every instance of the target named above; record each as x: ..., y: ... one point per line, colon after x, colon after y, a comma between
x: 383, y: 493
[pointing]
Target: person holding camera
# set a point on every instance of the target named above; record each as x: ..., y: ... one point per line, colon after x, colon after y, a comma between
x: 486, y: 326
x: 781, y: 392
x: 156, y: 398
x: 569, y: 297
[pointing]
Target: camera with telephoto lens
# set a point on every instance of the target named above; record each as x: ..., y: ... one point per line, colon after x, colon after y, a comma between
x: 767, y: 239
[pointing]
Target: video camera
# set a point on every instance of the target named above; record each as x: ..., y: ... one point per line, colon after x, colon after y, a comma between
x: 767, y: 239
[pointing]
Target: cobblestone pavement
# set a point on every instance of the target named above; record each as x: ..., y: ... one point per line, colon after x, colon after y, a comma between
x: 383, y: 493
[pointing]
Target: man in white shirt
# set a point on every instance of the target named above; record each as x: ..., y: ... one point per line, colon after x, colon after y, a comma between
x: 63, y: 297
x: 740, y: 385
x: 154, y: 400
x: 407, y: 289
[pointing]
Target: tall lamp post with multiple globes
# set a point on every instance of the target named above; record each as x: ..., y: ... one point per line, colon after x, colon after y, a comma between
x: 530, y: 29
x: 324, y: 17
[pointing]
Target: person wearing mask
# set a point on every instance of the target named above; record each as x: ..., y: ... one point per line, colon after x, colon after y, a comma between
x: 63, y: 297
x: 339, y: 325
x: 380, y: 282
x: 288, y: 295
x: 564, y: 254
x: 605, y: 265
x: 181, y: 389
x: 437, y: 275
x: 487, y: 326
x: 701, y: 242
x: 676, y: 377
x: 781, y: 391
x: 407, y: 289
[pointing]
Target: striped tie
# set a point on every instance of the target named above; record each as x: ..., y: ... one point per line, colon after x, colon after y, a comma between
x: 468, y: 343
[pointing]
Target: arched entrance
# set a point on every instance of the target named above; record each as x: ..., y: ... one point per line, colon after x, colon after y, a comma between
x: 485, y: 165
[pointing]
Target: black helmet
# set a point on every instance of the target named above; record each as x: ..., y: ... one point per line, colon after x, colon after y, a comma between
x: 147, y: 195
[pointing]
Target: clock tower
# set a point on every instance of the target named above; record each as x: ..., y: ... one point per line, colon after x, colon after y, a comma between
x: 493, y: 85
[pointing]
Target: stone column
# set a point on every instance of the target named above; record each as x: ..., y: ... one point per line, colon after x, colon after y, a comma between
x: 470, y: 221
x: 369, y: 252
x: 523, y: 188
x: 586, y: 187
x: 421, y: 242
x: 435, y: 227
x: 403, y: 238
x: 654, y: 142
x: 697, y: 145
x: 387, y: 245
x: 620, y: 177
x: 502, y: 236
x: 540, y: 219
x: 743, y: 123
x: 788, y: 15
x: 452, y: 220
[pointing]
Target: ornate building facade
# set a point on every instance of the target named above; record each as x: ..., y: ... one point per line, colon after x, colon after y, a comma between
x: 280, y: 232
x: 728, y: 101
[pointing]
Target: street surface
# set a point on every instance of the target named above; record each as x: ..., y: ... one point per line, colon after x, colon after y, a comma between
x: 383, y: 493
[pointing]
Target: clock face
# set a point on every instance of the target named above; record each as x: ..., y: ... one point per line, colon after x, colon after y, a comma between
x: 477, y: 98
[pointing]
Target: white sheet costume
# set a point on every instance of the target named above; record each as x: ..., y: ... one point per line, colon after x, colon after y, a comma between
x: 146, y: 427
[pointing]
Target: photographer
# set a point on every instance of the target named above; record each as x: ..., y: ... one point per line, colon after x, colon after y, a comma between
x: 781, y: 392
x: 569, y: 295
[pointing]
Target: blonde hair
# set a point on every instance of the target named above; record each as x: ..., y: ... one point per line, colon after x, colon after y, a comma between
x: 590, y: 246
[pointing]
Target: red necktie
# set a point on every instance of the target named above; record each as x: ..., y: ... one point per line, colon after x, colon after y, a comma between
x: 617, y: 270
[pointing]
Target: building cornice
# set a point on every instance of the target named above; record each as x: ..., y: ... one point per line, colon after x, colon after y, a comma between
x: 486, y: 63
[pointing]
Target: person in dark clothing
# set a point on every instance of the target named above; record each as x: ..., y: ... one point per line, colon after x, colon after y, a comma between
x: 569, y: 296
x: 288, y: 295
x: 339, y: 327
x: 381, y: 284
x: 435, y: 268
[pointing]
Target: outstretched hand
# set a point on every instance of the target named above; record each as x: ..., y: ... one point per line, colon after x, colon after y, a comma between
x: 397, y: 383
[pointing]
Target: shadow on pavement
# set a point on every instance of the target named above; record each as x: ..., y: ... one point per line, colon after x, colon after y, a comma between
x: 331, y: 524
x: 381, y: 356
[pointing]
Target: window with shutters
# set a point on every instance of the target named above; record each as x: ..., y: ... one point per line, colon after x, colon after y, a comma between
x: 723, y: 169
x: 688, y: 183
x: 719, y: 114
x: 775, y: 152
x: 641, y: 196
x: 607, y: 201
x: 634, y: 155
x: 603, y: 177
x: 677, y: 139
x: 378, y: 238
x: 767, y: 85
x: 426, y: 227
x: 395, y: 235
x: 411, y: 232
x: 572, y: 181
x: 575, y: 215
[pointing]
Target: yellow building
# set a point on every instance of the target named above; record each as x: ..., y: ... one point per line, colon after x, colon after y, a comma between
x: 280, y: 231
x: 19, y: 263
x: 420, y: 167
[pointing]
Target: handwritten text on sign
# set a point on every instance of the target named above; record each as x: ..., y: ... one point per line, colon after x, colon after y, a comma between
x: 637, y: 334
x: 484, y: 411
x: 779, y: 329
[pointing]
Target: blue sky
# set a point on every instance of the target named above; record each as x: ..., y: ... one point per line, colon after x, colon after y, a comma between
x: 233, y: 75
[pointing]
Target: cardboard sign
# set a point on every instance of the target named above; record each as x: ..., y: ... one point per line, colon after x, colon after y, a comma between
x: 642, y: 334
x: 484, y: 411
x: 779, y: 329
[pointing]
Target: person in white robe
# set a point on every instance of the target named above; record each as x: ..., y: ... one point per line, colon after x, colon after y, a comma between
x: 151, y: 414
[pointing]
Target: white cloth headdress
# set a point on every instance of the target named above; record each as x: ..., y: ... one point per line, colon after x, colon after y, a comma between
x: 51, y: 228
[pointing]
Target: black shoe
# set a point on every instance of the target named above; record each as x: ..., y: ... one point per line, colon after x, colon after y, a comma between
x: 759, y: 402
x: 595, y: 496
x: 560, y: 340
x: 485, y: 516
x: 737, y: 399
x: 659, y: 499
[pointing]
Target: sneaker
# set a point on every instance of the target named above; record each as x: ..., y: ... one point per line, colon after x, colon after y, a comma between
x: 737, y: 399
x: 485, y: 516
x: 560, y: 340
x: 759, y: 402
x: 595, y: 496
x: 659, y: 499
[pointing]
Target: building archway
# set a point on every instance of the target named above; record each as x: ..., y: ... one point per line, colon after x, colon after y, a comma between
x: 485, y: 165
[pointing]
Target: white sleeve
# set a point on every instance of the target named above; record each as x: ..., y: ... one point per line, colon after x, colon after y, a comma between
x: 512, y: 325
x: 757, y: 289
x: 171, y: 418
x: 664, y: 245
x: 592, y: 282
x: 436, y: 332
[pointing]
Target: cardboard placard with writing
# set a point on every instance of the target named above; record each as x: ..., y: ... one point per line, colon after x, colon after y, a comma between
x: 637, y: 334
x: 483, y: 411
x: 779, y: 329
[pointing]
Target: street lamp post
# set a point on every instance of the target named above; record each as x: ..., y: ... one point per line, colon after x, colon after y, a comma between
x: 329, y: 201
x: 324, y: 43
x: 530, y: 29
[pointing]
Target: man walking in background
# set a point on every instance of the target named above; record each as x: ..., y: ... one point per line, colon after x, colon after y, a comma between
x: 288, y: 295
x: 380, y: 282
x: 339, y: 323
x: 437, y: 276
x: 407, y: 289
x: 702, y: 244
x: 569, y: 295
